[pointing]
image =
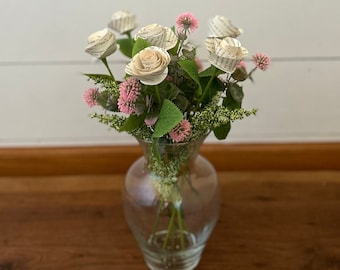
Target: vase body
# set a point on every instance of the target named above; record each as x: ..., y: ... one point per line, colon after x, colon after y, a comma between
x: 171, y: 201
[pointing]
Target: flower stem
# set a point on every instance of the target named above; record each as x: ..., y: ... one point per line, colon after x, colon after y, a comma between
x: 206, y: 88
x: 108, y: 68
x: 180, y: 226
x: 170, y: 227
x: 157, y: 94
x: 155, y: 225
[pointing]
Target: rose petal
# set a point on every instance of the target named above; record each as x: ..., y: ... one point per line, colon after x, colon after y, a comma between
x: 158, y: 35
x: 149, y: 65
x: 122, y: 21
x: 220, y: 26
x: 101, y: 44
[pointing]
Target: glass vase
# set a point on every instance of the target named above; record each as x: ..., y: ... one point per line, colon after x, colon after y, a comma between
x: 171, y: 202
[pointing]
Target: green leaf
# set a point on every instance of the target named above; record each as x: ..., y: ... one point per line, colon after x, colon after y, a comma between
x: 222, y: 131
x: 215, y: 86
x: 126, y: 46
x: 132, y: 122
x: 211, y: 71
x: 168, y: 118
x: 99, y: 78
x: 190, y: 67
x: 103, y: 80
x: 140, y: 44
x: 234, y: 97
x: 237, y: 92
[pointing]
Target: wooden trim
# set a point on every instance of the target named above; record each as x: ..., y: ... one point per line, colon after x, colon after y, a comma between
x: 117, y: 159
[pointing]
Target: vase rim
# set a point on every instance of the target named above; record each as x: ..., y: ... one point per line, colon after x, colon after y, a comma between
x: 200, y: 138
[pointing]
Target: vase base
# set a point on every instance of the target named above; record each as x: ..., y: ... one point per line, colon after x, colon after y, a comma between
x: 173, y: 256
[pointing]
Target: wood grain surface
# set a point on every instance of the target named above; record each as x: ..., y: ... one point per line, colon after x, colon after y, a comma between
x: 117, y: 159
x: 269, y: 220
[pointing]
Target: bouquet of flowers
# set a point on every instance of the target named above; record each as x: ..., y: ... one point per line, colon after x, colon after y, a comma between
x: 167, y: 96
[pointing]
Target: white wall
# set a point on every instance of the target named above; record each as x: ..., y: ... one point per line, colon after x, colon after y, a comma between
x: 42, y: 57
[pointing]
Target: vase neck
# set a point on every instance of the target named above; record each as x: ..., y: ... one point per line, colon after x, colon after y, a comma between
x: 170, y: 159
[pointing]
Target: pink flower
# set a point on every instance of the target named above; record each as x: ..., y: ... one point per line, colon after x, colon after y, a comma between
x: 130, y: 89
x: 126, y: 106
x: 187, y: 21
x: 199, y: 64
x: 242, y: 64
x: 90, y: 96
x: 261, y: 61
x: 181, y: 131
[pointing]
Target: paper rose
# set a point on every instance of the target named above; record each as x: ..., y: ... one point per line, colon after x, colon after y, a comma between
x: 122, y: 22
x: 101, y: 44
x: 221, y: 27
x: 225, y: 53
x: 150, y: 65
x: 158, y: 35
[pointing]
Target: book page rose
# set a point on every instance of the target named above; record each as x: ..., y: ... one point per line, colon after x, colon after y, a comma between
x: 150, y: 65
x: 225, y: 53
x: 158, y: 35
x: 122, y: 22
x: 101, y: 44
x: 221, y: 27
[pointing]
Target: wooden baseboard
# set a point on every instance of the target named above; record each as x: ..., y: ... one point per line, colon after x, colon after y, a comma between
x: 117, y: 159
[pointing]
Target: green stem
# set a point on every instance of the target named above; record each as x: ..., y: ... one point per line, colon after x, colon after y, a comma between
x: 251, y: 72
x: 108, y: 68
x: 155, y: 225
x: 170, y: 227
x: 206, y: 88
x: 180, y: 226
x: 157, y: 94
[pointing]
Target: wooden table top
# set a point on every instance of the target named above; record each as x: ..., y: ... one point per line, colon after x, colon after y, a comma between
x: 269, y: 220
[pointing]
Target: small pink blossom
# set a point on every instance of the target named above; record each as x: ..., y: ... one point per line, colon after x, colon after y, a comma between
x: 261, y: 61
x: 187, y: 21
x: 242, y: 64
x: 126, y: 106
x: 181, y: 131
x: 199, y: 64
x: 130, y: 89
x: 90, y: 96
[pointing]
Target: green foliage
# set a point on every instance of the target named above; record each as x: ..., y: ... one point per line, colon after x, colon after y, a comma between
x: 168, y: 118
x: 222, y: 131
x: 211, y: 71
x: 236, y: 92
x: 132, y: 122
x: 234, y: 97
x: 126, y: 46
x: 139, y: 45
x: 103, y: 80
x: 190, y: 67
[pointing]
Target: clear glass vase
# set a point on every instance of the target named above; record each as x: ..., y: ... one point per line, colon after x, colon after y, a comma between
x: 171, y: 201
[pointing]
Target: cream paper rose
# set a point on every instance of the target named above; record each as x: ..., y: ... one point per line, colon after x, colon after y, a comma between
x: 158, y: 35
x: 122, y: 22
x: 150, y: 65
x: 225, y: 53
x: 101, y: 44
x: 221, y: 27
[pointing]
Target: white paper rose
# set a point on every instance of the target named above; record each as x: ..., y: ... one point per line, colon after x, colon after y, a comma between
x: 150, y: 65
x: 122, y: 22
x: 221, y: 27
x: 225, y: 53
x: 158, y: 35
x: 101, y: 44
